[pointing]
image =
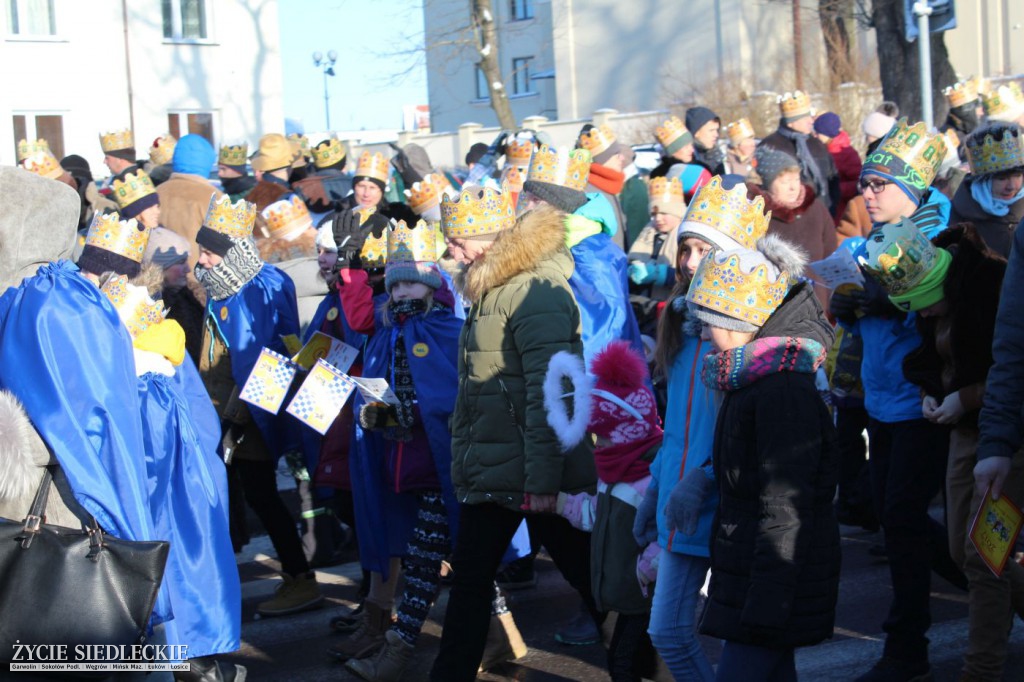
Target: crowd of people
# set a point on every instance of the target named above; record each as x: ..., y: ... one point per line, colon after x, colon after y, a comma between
x: 649, y: 378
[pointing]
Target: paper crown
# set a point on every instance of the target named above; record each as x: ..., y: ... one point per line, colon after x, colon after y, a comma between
x: 123, y: 237
x: 794, y: 104
x: 135, y: 186
x: 27, y: 148
x: 514, y: 179
x: 287, y: 217
x: 920, y: 150
x: 722, y: 285
x: 597, y: 139
x: 961, y: 92
x: 1005, y: 103
x: 231, y: 220
x: 476, y: 211
x: 136, y: 309
x: 898, y: 256
x: 669, y: 131
x: 374, y: 252
x: 303, y: 143
x: 43, y: 162
x: 560, y: 167
x: 740, y: 130
x: 162, y: 151
x: 982, y: 85
x: 234, y: 155
x: 729, y: 212
x: 373, y: 166
x: 328, y: 153
x: 113, y: 141
x: 426, y: 194
x: 417, y: 243
x: 1000, y: 148
x: 518, y: 153
x: 665, y: 190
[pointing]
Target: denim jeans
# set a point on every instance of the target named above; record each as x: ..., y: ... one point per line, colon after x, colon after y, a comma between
x: 746, y: 663
x: 673, y: 627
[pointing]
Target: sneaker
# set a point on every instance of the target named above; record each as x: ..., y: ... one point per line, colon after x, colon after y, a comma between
x: 890, y: 669
x: 580, y: 631
x: 294, y: 594
x: 517, y: 575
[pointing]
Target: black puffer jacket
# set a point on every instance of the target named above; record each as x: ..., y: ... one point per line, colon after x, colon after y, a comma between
x: 775, y: 549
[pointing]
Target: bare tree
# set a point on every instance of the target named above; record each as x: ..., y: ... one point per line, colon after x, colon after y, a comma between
x: 833, y: 15
x: 487, y: 49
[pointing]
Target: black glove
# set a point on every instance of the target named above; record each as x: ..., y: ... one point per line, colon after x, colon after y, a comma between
x: 349, y: 235
x: 876, y: 300
x: 843, y: 306
x: 377, y: 416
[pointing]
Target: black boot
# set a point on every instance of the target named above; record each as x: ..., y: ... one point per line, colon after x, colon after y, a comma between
x: 209, y: 669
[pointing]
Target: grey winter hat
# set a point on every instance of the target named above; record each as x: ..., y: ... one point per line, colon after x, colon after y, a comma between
x: 564, y: 199
x: 771, y: 163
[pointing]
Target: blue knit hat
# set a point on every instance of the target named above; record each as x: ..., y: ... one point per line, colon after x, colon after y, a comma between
x: 194, y: 155
x: 412, y: 271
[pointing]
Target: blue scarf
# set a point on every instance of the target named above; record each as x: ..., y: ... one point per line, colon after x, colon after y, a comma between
x: 981, y: 191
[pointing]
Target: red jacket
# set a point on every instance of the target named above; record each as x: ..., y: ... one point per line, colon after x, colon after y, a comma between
x: 848, y: 164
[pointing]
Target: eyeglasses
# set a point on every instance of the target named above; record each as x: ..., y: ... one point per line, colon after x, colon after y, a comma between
x: 876, y: 186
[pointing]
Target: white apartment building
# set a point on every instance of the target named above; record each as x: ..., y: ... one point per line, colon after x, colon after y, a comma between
x: 70, y: 70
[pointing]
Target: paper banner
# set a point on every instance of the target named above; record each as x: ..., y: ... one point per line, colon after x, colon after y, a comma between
x: 337, y: 353
x: 321, y: 397
x: 995, y: 530
x: 269, y: 381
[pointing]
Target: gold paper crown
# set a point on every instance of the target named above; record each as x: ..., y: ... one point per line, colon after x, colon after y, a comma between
x: 135, y: 186
x: 729, y: 212
x: 898, y: 256
x: 988, y: 155
x: 982, y: 85
x: 476, y: 211
x: 163, y: 151
x: 739, y: 130
x: 597, y: 139
x: 665, y: 190
x: 287, y: 217
x: 794, y: 104
x: 120, y: 139
x: 560, y: 167
x: 669, y: 131
x: 123, y: 237
x: 328, y: 153
x: 232, y: 220
x: 234, y: 155
x: 418, y: 243
x: 303, y: 143
x: 961, y: 93
x: 27, y: 148
x: 1005, y: 103
x: 43, y: 162
x: 374, y: 252
x: 518, y: 153
x: 514, y: 179
x: 426, y: 194
x: 920, y: 150
x: 136, y: 310
x: 373, y: 166
x: 723, y: 286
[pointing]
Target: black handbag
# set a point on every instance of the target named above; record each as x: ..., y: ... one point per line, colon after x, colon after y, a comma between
x: 73, y: 586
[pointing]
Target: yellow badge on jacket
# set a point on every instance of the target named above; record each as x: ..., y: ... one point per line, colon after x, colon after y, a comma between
x: 332, y: 314
x: 420, y: 350
x: 224, y: 314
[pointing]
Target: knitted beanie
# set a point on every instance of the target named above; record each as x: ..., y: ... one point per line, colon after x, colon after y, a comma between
x: 623, y: 409
x: 563, y: 198
x: 412, y: 271
x: 194, y: 155
x: 771, y: 163
x: 166, y: 248
x: 877, y: 124
x: 828, y: 124
x: 698, y: 117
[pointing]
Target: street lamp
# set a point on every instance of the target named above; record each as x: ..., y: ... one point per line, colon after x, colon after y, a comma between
x: 328, y: 66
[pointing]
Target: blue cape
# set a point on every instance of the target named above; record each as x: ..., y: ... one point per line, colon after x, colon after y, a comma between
x: 384, y: 518
x: 263, y: 310
x: 188, y: 499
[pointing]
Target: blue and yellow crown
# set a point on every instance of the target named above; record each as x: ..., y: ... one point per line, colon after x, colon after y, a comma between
x: 597, y: 139
x: 136, y: 309
x: 27, y: 148
x: 328, y: 153
x: 374, y: 252
x: 722, y: 285
x: 135, y: 186
x: 231, y: 220
x: 476, y: 211
x: 560, y: 167
x: 922, y: 152
x: 898, y: 256
x: 995, y: 148
x: 287, y: 217
x: 417, y: 243
x: 117, y: 140
x: 123, y: 237
x: 234, y: 155
x: 730, y: 212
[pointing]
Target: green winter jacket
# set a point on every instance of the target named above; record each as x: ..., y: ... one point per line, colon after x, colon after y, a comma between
x: 523, y: 313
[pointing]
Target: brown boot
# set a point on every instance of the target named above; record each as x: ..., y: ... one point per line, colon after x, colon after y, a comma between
x: 504, y: 643
x: 368, y: 637
x: 388, y: 664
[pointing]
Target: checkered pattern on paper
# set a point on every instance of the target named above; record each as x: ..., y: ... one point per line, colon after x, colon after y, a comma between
x: 321, y: 397
x: 269, y: 381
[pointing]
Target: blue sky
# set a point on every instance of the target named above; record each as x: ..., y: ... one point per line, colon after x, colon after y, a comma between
x: 373, y: 78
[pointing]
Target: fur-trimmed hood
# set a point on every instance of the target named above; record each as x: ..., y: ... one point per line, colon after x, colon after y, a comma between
x: 785, y: 255
x: 536, y: 236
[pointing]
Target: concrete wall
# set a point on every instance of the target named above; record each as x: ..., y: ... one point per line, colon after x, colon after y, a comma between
x: 82, y: 74
x: 989, y: 38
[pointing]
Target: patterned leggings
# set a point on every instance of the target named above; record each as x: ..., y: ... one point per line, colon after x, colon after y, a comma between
x: 430, y: 544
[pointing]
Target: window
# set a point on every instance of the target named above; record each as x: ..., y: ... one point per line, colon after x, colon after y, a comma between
x: 482, y: 91
x: 521, y: 9
x: 184, y: 19
x: 49, y: 127
x: 31, y: 17
x: 200, y: 123
x: 521, y: 83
